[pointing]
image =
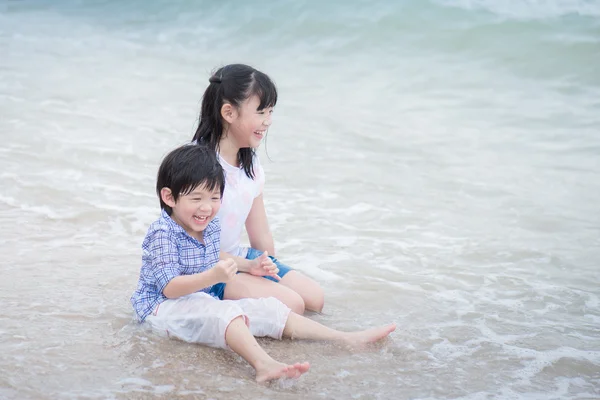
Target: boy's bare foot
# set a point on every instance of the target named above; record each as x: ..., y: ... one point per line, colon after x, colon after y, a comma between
x: 369, y: 336
x: 275, y: 370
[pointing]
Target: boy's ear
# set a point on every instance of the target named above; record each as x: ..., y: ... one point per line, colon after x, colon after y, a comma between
x: 167, y: 197
x: 228, y: 112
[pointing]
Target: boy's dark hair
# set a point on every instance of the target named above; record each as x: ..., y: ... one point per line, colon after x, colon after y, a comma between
x: 186, y: 168
x: 232, y: 84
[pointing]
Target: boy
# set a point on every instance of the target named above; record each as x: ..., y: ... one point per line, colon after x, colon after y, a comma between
x: 182, y: 280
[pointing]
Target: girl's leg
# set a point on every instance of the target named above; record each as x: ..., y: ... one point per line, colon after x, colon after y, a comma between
x: 299, y: 327
x: 310, y: 291
x: 241, y: 341
x: 249, y: 286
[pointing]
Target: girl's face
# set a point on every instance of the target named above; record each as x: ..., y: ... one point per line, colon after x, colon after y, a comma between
x: 250, y: 124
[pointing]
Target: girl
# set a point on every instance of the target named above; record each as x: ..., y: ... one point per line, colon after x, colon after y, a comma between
x: 234, y: 117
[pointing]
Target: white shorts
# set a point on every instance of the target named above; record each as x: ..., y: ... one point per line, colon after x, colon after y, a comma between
x: 201, y: 318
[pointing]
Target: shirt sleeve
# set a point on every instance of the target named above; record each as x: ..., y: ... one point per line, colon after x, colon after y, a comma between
x: 213, y: 250
x: 163, y: 255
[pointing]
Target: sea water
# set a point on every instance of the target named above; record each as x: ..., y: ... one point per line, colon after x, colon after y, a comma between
x: 431, y: 163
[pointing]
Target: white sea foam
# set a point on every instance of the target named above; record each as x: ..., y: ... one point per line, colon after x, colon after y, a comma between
x: 531, y: 9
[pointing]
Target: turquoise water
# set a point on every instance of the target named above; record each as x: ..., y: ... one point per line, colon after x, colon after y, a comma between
x: 432, y: 163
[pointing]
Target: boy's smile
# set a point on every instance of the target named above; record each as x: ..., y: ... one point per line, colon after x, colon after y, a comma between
x: 200, y: 219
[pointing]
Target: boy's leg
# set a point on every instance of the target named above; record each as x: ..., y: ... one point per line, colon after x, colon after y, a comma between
x: 266, y: 316
x: 299, y: 327
x: 195, y: 318
x: 240, y: 340
x: 200, y: 318
x: 270, y: 317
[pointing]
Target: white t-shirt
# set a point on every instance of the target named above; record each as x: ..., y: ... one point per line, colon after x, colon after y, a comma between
x: 240, y: 192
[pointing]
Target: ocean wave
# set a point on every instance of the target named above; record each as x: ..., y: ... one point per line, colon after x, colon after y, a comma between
x: 530, y: 9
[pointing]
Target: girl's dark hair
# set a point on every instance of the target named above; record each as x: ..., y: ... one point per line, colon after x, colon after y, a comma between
x: 232, y: 84
x: 186, y: 168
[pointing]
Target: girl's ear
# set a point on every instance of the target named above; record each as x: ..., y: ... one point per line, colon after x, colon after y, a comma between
x: 167, y: 197
x: 228, y: 112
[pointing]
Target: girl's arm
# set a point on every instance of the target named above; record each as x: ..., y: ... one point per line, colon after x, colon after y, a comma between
x: 257, y: 227
x: 261, y: 266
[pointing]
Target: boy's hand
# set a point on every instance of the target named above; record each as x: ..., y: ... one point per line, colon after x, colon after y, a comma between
x: 224, y: 270
x: 264, y: 266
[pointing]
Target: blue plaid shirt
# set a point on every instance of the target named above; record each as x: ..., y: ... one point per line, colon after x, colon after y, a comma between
x: 169, y: 251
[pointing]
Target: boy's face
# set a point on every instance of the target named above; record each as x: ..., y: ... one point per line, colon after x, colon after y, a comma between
x: 194, y: 210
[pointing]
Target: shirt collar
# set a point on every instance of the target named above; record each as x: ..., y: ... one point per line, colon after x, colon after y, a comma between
x: 210, y: 230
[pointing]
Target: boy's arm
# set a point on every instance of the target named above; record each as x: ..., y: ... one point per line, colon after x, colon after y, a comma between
x: 183, y: 285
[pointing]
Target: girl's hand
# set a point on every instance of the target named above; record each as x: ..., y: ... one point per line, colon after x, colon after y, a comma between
x: 224, y: 270
x: 264, y: 266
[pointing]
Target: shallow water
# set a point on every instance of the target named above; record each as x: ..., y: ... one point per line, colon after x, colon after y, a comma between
x: 436, y: 164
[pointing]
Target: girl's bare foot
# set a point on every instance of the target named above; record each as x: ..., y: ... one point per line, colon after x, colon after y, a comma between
x: 275, y: 370
x: 369, y: 336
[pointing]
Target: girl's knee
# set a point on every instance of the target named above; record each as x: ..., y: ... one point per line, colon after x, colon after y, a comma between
x: 315, y: 300
x: 310, y: 291
x: 295, y: 302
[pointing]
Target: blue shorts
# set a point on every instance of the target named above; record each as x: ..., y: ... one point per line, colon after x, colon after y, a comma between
x: 219, y: 289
